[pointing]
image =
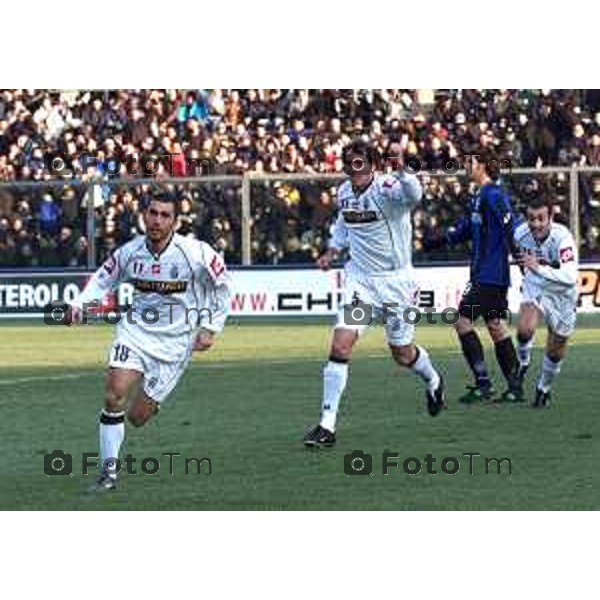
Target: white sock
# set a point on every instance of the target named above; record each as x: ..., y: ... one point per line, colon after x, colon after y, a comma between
x: 524, y: 352
x: 335, y: 376
x: 423, y: 367
x: 549, y: 370
x: 112, y: 434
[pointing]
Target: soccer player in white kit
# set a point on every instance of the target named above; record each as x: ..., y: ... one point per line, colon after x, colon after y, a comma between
x: 549, y: 257
x: 180, y: 302
x: 374, y: 223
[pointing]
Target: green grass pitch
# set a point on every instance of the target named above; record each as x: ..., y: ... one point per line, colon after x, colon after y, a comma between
x: 247, y: 404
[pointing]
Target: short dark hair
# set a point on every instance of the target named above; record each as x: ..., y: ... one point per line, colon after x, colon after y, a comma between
x: 491, y: 163
x: 166, y: 198
x: 539, y: 201
x: 361, y: 148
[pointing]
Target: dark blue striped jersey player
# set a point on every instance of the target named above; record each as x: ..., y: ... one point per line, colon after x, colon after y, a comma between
x: 490, y: 228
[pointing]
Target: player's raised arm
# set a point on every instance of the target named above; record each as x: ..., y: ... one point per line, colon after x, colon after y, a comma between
x: 401, y: 186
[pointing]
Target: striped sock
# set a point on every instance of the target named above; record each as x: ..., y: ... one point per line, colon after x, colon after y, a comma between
x: 524, y: 349
x: 112, y: 434
x: 335, y: 377
x: 424, y: 368
x: 550, y: 368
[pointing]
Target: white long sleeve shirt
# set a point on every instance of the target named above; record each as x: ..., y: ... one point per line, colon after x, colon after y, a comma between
x: 184, y: 287
x: 376, y: 225
x: 557, y: 273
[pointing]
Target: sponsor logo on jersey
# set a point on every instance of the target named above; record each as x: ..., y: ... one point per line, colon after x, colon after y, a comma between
x: 159, y: 287
x: 359, y: 216
x: 567, y: 255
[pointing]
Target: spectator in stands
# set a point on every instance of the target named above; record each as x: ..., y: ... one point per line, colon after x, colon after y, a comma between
x: 270, y: 131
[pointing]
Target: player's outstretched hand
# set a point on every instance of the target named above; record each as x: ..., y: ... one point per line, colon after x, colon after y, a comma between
x: 204, y: 340
x: 324, y: 261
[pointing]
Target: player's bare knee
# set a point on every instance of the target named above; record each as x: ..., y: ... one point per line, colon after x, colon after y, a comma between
x: 340, y: 352
x: 463, y: 326
x: 114, y: 400
x: 117, y: 387
x: 555, y: 353
x: 497, y: 330
x: 556, y: 347
x: 527, y: 322
x: 404, y: 355
x: 498, y: 335
x: 341, y: 346
x: 525, y: 334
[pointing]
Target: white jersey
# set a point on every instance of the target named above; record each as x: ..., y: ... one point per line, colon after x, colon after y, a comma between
x: 184, y: 287
x: 375, y: 225
x: 557, y: 273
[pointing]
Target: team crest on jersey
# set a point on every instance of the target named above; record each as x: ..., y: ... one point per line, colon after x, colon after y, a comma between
x: 108, y: 267
x: 216, y: 266
x: 567, y: 255
x: 174, y: 272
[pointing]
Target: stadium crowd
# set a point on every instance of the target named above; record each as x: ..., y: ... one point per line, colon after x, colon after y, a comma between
x: 230, y: 132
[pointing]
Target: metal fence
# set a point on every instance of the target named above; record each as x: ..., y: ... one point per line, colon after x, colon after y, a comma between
x: 251, y: 219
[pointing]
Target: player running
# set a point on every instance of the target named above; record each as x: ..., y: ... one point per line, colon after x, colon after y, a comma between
x: 180, y: 302
x: 490, y: 227
x: 549, y: 257
x: 374, y: 223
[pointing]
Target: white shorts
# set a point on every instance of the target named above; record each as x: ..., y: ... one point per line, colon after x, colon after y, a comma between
x: 380, y: 298
x: 160, y: 377
x: 559, y: 310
